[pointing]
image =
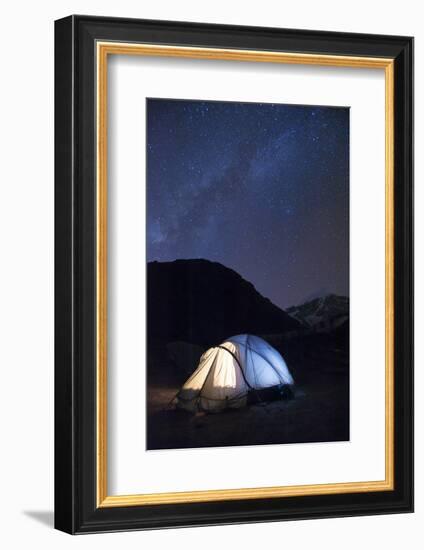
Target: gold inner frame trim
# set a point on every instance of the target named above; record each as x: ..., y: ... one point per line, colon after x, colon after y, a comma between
x: 103, y: 50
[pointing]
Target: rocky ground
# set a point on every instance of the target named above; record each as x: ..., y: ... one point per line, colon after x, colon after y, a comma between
x: 319, y: 411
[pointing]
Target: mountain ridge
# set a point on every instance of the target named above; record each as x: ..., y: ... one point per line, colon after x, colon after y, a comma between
x: 204, y: 302
x: 326, y: 312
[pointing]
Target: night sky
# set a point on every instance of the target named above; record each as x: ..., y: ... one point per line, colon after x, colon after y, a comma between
x: 261, y: 188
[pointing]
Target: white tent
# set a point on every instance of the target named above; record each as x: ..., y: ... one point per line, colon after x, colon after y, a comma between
x: 228, y: 372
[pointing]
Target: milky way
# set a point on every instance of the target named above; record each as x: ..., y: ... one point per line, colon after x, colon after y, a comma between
x: 260, y: 188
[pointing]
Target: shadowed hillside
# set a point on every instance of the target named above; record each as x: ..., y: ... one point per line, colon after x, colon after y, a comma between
x: 204, y: 302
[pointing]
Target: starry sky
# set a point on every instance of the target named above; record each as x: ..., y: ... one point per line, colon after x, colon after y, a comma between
x: 261, y: 188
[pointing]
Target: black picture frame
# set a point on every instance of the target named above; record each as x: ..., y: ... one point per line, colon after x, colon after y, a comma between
x: 76, y: 509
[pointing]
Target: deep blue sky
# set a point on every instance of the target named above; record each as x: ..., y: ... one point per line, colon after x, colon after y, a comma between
x: 261, y: 188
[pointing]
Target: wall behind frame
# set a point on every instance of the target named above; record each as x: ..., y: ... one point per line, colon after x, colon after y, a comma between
x: 26, y: 274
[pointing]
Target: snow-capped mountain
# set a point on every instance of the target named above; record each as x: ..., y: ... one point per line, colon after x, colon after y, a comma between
x: 322, y: 314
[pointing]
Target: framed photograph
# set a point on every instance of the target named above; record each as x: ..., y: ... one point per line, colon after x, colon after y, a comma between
x: 233, y: 270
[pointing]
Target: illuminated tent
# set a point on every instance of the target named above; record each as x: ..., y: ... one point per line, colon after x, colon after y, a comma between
x: 228, y: 373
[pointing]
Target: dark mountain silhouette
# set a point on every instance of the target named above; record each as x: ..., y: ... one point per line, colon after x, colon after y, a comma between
x: 204, y: 302
x: 341, y: 334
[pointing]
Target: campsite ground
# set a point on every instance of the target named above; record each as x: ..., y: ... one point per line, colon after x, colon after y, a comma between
x: 318, y: 412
